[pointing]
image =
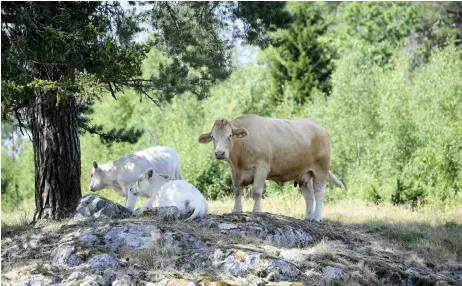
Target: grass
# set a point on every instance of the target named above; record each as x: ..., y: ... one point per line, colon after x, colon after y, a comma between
x: 156, y: 256
x: 19, y: 218
x: 432, y: 233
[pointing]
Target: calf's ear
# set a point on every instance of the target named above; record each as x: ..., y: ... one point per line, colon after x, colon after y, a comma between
x: 149, y: 173
x: 95, y: 164
x: 205, y: 138
x: 240, y: 132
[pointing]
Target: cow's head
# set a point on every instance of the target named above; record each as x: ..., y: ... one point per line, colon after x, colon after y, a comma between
x: 147, y: 181
x: 98, y: 179
x: 223, y: 135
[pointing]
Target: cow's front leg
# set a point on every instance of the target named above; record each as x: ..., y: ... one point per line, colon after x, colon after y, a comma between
x: 131, y: 199
x: 257, y: 187
x: 238, y: 199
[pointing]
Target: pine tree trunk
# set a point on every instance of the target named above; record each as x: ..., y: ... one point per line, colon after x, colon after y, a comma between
x: 56, y: 155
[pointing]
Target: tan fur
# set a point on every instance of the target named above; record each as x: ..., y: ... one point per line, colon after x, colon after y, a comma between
x: 280, y: 150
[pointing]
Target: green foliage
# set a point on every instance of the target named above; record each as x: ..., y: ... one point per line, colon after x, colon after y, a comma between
x: 390, y: 125
x: 17, y: 176
x: 298, y: 58
x: 65, y: 50
x: 382, y: 26
x: 179, y: 125
x: 394, y: 125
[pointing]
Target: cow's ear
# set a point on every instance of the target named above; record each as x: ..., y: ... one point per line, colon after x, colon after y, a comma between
x: 240, y: 132
x: 150, y: 173
x: 205, y: 138
x: 95, y: 164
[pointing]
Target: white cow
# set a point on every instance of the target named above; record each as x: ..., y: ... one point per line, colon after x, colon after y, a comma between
x: 122, y: 173
x: 164, y: 192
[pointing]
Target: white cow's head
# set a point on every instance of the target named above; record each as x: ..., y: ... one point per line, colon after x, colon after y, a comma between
x: 98, y: 180
x: 147, y: 181
x: 223, y: 135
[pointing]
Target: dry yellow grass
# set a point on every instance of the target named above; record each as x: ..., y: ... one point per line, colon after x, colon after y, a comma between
x: 347, y: 211
x: 433, y: 233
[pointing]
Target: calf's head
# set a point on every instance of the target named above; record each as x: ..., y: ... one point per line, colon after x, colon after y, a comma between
x: 98, y: 178
x: 223, y: 135
x: 147, y: 181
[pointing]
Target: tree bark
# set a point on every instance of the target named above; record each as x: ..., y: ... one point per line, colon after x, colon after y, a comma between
x: 56, y: 155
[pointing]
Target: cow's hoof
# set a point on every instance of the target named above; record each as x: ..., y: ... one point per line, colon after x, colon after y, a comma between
x: 314, y: 218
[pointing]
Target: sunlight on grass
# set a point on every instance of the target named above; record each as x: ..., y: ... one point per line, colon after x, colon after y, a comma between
x: 432, y: 232
x: 346, y: 211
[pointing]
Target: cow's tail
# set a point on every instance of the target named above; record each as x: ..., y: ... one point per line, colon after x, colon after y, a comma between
x: 152, y: 138
x: 336, y: 182
x: 195, y: 214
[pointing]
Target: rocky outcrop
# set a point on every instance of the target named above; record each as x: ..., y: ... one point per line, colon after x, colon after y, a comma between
x: 231, y: 249
x: 93, y: 206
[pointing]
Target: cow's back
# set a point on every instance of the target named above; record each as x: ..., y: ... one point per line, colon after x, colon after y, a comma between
x: 290, y: 147
x: 162, y: 159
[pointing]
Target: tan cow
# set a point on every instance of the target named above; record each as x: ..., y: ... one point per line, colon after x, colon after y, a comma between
x: 280, y: 150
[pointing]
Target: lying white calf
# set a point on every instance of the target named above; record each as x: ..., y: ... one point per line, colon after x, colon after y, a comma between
x: 165, y: 193
x: 122, y: 173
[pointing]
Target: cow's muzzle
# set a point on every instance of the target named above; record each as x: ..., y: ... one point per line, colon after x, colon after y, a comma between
x: 220, y: 155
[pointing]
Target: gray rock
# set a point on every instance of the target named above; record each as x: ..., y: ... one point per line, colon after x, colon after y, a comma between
x: 90, y: 282
x: 293, y: 255
x: 335, y: 273
x: 93, y: 206
x: 287, y: 237
x: 253, y: 280
x: 38, y: 280
x: 32, y: 244
x: 162, y: 282
x: 164, y: 213
x: 11, y: 250
x: 135, y: 236
x: 109, y: 275
x: 102, y: 261
x: 81, y: 278
x: 240, y: 263
x: 280, y: 270
x: 77, y: 275
x: 64, y: 255
x: 123, y: 280
x: 88, y: 239
x: 227, y: 226
x: 268, y: 227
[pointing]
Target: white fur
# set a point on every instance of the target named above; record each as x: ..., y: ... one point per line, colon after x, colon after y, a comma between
x: 122, y: 173
x: 165, y: 193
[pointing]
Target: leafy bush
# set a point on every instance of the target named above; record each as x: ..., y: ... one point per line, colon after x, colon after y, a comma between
x: 391, y: 125
x: 395, y: 131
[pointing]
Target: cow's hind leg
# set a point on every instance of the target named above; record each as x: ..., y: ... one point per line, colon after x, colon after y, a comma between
x: 308, y: 194
x: 319, y: 186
